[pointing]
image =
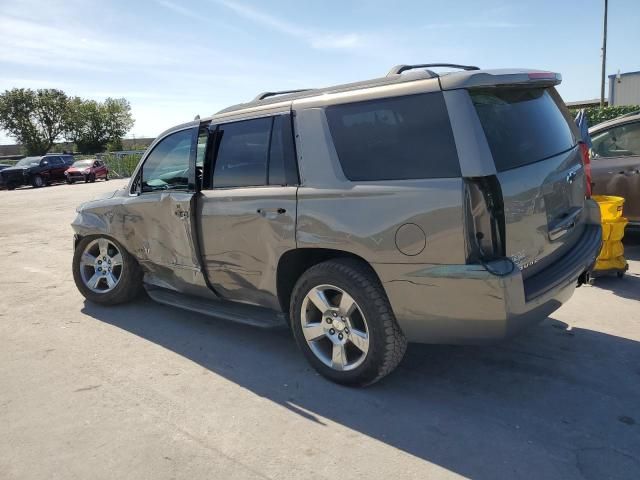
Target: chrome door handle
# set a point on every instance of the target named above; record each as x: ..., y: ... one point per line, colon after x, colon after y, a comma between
x: 270, y: 212
x: 182, y: 214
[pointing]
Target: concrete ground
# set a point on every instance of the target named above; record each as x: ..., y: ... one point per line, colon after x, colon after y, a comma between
x: 145, y: 391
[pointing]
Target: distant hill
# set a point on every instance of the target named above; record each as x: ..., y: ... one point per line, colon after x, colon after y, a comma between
x: 127, y: 144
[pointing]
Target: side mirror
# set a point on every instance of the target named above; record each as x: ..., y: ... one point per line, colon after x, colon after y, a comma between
x: 44, y: 163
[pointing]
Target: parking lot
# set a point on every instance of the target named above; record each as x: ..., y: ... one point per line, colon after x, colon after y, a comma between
x: 147, y: 391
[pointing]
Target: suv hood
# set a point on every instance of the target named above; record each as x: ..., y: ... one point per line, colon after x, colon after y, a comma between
x: 15, y: 169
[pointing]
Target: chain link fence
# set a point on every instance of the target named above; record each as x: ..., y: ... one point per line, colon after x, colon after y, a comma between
x: 120, y: 164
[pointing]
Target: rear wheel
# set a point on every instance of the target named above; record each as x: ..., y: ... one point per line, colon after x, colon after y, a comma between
x: 105, y: 272
x: 343, y: 322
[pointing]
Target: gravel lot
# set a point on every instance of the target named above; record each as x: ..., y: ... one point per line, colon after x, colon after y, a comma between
x: 147, y: 391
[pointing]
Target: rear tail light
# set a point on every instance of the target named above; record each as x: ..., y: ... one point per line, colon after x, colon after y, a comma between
x: 484, y: 218
x: 586, y: 163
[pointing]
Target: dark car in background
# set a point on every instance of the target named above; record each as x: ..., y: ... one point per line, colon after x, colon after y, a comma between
x: 616, y: 162
x: 87, y: 170
x: 2, y: 167
x: 36, y: 171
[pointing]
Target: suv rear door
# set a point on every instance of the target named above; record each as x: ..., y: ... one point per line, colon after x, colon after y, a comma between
x: 539, y: 169
x: 57, y: 168
x: 247, y: 206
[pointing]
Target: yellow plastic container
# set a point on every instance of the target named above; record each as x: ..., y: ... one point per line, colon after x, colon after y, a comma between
x: 611, y: 250
x: 610, y: 207
x: 617, y: 229
x: 614, y: 265
x: 611, y: 258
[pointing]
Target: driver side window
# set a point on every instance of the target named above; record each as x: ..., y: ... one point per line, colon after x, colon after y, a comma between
x: 622, y: 141
x: 167, y: 166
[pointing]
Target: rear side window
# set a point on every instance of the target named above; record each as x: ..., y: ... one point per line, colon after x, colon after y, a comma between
x: 282, y: 157
x: 522, y: 126
x: 396, y: 138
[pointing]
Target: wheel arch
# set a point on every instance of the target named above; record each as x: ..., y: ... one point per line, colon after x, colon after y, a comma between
x: 293, y: 263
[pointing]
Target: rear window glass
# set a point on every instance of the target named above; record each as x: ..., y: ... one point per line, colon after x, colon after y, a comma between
x: 522, y: 126
x: 397, y: 138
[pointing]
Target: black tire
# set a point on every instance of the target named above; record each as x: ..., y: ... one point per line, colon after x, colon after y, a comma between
x: 86, y: 179
x: 11, y: 187
x: 387, y: 342
x: 92, y: 178
x: 129, y: 286
x: 69, y: 181
x: 37, y: 181
x: 106, y: 177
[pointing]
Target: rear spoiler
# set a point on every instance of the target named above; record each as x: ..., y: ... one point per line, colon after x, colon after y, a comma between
x: 498, y: 78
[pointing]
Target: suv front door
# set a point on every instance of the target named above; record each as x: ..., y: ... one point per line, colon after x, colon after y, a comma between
x: 616, y: 166
x: 158, y: 215
x: 247, y: 209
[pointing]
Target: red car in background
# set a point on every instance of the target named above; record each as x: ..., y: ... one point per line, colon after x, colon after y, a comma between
x: 87, y: 170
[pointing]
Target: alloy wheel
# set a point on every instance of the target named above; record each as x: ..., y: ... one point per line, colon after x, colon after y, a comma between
x: 101, y: 266
x: 335, y: 327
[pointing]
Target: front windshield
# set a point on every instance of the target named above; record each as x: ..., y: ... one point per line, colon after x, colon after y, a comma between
x: 83, y: 163
x: 28, y: 161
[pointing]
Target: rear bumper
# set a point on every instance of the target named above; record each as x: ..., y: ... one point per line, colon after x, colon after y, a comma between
x: 460, y: 304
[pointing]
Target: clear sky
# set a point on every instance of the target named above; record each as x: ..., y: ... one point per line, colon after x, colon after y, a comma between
x: 174, y: 59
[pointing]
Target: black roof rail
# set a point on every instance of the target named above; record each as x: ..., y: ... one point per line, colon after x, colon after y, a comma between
x: 398, y: 69
x: 264, y: 95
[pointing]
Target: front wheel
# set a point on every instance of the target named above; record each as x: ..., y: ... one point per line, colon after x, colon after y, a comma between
x: 38, y: 181
x: 343, y: 323
x: 105, y: 272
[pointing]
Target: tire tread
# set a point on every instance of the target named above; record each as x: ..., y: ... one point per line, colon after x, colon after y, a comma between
x: 361, y: 274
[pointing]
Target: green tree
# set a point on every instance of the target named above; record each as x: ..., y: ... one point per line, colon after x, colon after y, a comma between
x: 92, y: 125
x: 596, y: 115
x: 34, y: 118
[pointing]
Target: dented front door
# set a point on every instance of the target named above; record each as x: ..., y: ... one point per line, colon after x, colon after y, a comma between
x: 158, y: 217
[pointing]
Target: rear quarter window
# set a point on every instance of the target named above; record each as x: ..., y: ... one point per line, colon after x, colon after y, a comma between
x: 395, y: 138
x: 523, y: 126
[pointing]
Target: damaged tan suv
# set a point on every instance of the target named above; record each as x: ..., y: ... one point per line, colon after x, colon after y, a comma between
x: 421, y: 207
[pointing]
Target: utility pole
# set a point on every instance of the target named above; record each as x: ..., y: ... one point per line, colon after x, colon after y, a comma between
x: 604, y: 54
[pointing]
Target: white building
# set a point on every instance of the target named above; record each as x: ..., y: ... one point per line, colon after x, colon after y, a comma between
x: 624, y: 88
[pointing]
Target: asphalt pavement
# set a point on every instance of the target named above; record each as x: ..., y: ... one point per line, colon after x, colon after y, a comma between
x: 146, y: 391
